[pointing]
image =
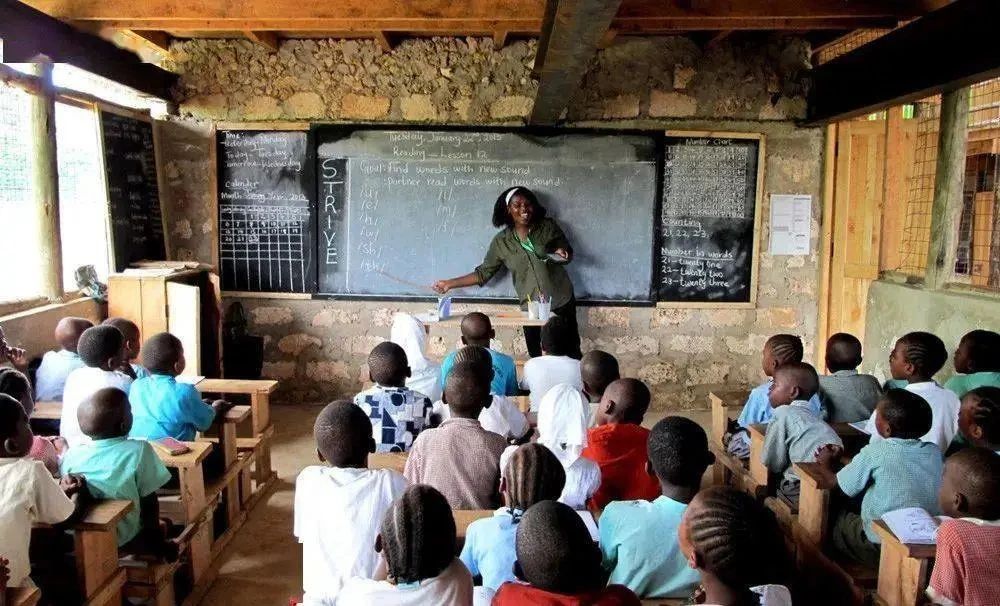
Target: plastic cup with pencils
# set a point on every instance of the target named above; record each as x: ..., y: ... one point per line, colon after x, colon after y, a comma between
x: 544, y: 310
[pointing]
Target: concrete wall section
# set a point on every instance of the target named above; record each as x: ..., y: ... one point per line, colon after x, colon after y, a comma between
x: 33, y: 329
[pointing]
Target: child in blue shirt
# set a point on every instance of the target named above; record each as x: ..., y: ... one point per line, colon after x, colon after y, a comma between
x: 779, y: 349
x: 133, y: 343
x: 533, y: 475
x: 478, y: 330
x: 639, y: 538
x: 50, y: 378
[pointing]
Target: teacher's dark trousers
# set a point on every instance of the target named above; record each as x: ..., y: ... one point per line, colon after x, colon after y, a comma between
x: 533, y: 334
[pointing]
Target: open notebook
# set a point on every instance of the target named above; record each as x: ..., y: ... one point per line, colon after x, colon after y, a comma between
x: 913, y: 525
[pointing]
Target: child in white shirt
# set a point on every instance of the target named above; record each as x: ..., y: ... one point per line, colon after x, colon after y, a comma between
x: 338, y: 507
x: 555, y: 366
x: 50, y: 378
x: 409, y: 333
x: 102, y: 348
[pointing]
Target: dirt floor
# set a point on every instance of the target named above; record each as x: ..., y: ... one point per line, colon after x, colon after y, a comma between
x: 263, y: 564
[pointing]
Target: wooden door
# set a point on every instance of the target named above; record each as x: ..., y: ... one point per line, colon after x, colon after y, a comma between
x: 184, y: 321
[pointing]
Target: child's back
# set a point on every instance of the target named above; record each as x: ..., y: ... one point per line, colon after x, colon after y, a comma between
x: 397, y: 413
x: 50, y: 378
x: 847, y: 396
x: 502, y: 417
x: 100, y: 348
x: 555, y: 366
x: 779, y: 349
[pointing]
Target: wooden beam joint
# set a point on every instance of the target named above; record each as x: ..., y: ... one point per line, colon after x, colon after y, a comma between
x: 268, y: 40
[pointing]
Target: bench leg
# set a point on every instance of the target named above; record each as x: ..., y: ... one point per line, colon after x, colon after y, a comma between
x: 96, y: 560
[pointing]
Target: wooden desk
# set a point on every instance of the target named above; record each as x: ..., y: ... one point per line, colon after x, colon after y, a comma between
x: 192, y: 477
x: 759, y: 473
x: 23, y: 596
x: 47, y: 409
x: 225, y: 434
x: 903, y: 570
x: 464, y: 517
x: 387, y: 460
x: 260, y: 391
x: 814, y: 503
x: 725, y: 405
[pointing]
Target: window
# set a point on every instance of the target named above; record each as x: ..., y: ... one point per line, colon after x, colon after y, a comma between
x: 83, y: 199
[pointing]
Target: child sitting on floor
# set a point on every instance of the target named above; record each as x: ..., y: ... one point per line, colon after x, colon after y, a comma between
x: 977, y: 360
x: 460, y: 458
x: 618, y: 445
x: 559, y: 563
x: 795, y: 432
x: 338, y: 507
x: 50, y: 378
x: 899, y: 470
x: 916, y: 358
x: 102, y: 350
x: 968, y: 546
x: 978, y: 420
x: 533, y: 474
x: 598, y: 369
x: 133, y: 344
x: 478, y: 330
x: 847, y: 396
x: 44, y: 449
x: 410, y: 334
x: 562, y: 428
x: 778, y: 350
x: 417, y: 540
x: 555, y: 365
x: 28, y: 493
x: 118, y: 468
x: 397, y: 413
x: 737, y: 548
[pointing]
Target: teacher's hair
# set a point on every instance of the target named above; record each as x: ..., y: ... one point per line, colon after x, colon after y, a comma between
x: 501, y: 218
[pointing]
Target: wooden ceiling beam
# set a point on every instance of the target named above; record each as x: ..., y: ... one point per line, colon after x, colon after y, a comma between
x: 268, y: 40
x: 500, y: 38
x: 157, y: 39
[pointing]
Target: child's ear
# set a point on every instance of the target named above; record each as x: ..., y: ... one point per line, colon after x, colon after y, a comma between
x: 9, y: 446
x: 975, y: 431
x: 493, y: 334
x: 319, y: 456
x: 409, y: 373
x: 503, y: 485
x: 609, y: 408
x: 370, y: 377
x: 372, y: 447
x: 796, y: 391
x: 518, y: 573
x: 960, y: 502
x: 444, y: 396
x: 649, y: 468
x: 378, y: 543
x: 695, y: 561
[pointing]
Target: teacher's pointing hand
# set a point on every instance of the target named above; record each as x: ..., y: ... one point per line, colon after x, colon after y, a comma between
x: 441, y: 286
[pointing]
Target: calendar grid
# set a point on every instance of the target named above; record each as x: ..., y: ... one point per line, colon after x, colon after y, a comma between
x: 262, y: 247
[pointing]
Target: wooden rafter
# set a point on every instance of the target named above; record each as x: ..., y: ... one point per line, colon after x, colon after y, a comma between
x: 158, y: 40
x: 268, y: 40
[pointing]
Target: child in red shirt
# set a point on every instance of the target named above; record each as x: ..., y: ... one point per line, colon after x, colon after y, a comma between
x: 968, y: 547
x: 618, y: 445
x: 559, y: 563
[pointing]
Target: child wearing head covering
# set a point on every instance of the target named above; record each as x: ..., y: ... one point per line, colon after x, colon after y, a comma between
x: 409, y: 333
x: 563, y: 418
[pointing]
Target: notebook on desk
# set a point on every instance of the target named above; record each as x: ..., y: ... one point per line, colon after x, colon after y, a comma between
x: 913, y: 525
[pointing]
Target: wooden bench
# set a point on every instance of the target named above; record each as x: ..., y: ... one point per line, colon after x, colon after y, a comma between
x: 388, y: 460
x: 465, y: 517
x: 23, y: 596
x: 193, y: 509
x: 150, y: 582
x: 47, y: 409
x: 729, y: 470
x: 904, y: 569
x: 224, y: 434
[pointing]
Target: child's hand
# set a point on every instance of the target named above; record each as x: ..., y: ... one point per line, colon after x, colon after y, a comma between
x: 72, y: 484
x: 828, y: 455
x: 59, y: 443
x: 221, y: 407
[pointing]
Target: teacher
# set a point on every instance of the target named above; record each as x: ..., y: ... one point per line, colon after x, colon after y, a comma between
x: 535, y: 250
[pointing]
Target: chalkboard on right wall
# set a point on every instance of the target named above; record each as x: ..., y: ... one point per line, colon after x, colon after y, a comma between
x: 710, y: 219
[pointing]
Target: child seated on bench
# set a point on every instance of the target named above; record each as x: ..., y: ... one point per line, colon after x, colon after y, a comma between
x: 977, y: 362
x: 847, y: 395
x: 478, y: 330
x: 778, y: 350
x: 43, y: 448
x: 397, y: 413
x: 555, y: 365
x: 102, y: 350
x: 598, y: 369
x: 978, y: 420
x: 56, y: 366
x: 133, y: 345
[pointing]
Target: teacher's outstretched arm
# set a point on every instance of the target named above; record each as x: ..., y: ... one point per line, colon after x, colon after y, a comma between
x: 443, y: 286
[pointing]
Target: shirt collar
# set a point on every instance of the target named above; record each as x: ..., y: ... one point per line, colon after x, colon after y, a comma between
x: 979, y: 522
x: 461, y: 421
x: 505, y: 511
x: 921, y: 386
x: 666, y: 502
x: 801, y: 404
x: 845, y: 373
x: 162, y: 377
x: 906, y: 441
x: 106, y: 442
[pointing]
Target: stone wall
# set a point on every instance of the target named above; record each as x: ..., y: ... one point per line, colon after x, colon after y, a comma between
x: 318, y: 348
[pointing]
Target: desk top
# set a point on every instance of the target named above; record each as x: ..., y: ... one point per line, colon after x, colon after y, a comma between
x: 504, y: 320
x: 47, y: 409
x: 199, y: 450
x: 237, y: 414
x: 464, y: 517
x: 245, y: 386
x: 100, y: 515
x: 913, y: 550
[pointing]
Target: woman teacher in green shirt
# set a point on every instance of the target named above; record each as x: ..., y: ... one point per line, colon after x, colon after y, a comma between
x: 534, y: 249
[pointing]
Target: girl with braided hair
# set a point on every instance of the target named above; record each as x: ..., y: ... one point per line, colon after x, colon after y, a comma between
x: 533, y: 474
x: 979, y: 420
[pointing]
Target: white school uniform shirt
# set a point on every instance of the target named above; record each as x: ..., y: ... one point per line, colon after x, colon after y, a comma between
x: 337, y: 516
x: 81, y: 384
x: 944, y: 408
x: 502, y: 417
x: 425, y: 375
x: 453, y: 587
x: 544, y: 372
x: 50, y: 378
x: 28, y: 494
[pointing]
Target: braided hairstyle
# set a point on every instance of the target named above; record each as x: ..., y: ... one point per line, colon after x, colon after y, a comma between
x: 925, y: 351
x: 785, y: 348
x: 16, y: 385
x: 984, y: 410
x: 737, y: 538
x: 479, y: 357
x: 982, y: 351
x: 417, y: 535
x: 533, y: 474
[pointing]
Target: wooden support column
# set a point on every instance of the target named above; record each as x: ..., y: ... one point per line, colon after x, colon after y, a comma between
x: 46, y: 183
x: 948, y: 178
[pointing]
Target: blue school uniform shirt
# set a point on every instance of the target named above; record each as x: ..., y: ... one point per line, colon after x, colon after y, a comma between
x: 140, y: 371
x: 758, y: 407
x: 489, y: 548
x: 895, y: 384
x: 504, y: 373
x: 118, y: 468
x: 639, y: 547
x: 50, y: 378
x: 162, y: 408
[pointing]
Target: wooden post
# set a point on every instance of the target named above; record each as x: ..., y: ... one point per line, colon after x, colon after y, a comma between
x: 948, y: 178
x: 46, y: 183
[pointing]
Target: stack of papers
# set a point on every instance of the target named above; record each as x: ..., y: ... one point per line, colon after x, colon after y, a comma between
x: 913, y: 525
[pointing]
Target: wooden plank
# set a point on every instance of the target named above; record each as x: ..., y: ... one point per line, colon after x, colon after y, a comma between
x: 387, y: 460
x: 826, y: 243
x: 184, y: 322
x: 241, y: 386
x: 903, y: 569
x: 899, y: 150
x: 23, y: 596
x: 188, y: 460
x: 268, y: 40
x: 45, y: 183
x: 814, y: 503
x: 901, y: 66
x: 45, y: 409
x: 384, y: 40
x: 758, y: 471
x: 983, y: 219
x: 157, y: 40
x: 572, y: 43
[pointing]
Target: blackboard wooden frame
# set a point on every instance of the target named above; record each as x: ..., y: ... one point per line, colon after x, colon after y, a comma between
x: 759, y: 194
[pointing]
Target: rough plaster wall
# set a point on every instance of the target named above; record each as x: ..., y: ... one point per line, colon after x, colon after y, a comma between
x: 34, y: 329
x: 318, y: 348
x: 896, y: 309
x: 188, y: 194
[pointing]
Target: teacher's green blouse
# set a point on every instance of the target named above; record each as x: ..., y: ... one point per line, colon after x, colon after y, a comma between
x: 529, y: 266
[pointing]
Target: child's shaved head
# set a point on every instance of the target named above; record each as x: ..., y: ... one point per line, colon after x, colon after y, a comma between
x: 479, y: 357
x: 387, y: 364
x: 344, y: 434
x: 105, y: 414
x: 800, y: 377
x: 467, y: 390
x: 903, y: 414
x: 477, y: 329
x: 69, y: 330
x: 555, y: 551
x: 133, y: 341
x: 101, y: 347
x: 162, y: 354
x: 971, y: 484
x: 843, y: 352
x: 624, y: 401
x: 15, y: 434
x: 598, y: 369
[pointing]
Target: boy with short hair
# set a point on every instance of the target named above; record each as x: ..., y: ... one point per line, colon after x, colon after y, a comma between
x: 398, y: 414
x: 338, y: 506
x: 899, y: 470
x: 968, y: 546
x: 477, y: 330
x: 916, y: 358
x: 598, y: 369
x: 795, y: 432
x: 555, y: 365
x: 133, y: 344
x: 118, y: 468
x: 618, y: 445
x: 778, y: 350
x: 639, y: 538
x: 977, y: 362
x: 101, y: 349
x: 50, y: 378
x: 559, y: 563
x: 460, y: 458
x: 502, y: 417
x: 847, y: 396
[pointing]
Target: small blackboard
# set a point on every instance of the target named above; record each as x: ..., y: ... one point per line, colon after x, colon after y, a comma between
x: 267, y: 211
x: 709, y: 217
x: 133, y: 193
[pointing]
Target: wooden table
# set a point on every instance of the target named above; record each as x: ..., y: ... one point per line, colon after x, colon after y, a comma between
x: 903, y: 568
x: 225, y: 434
x: 195, y: 511
x: 465, y: 517
x: 387, y: 460
x: 47, y: 409
x: 260, y: 391
x: 503, y: 320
